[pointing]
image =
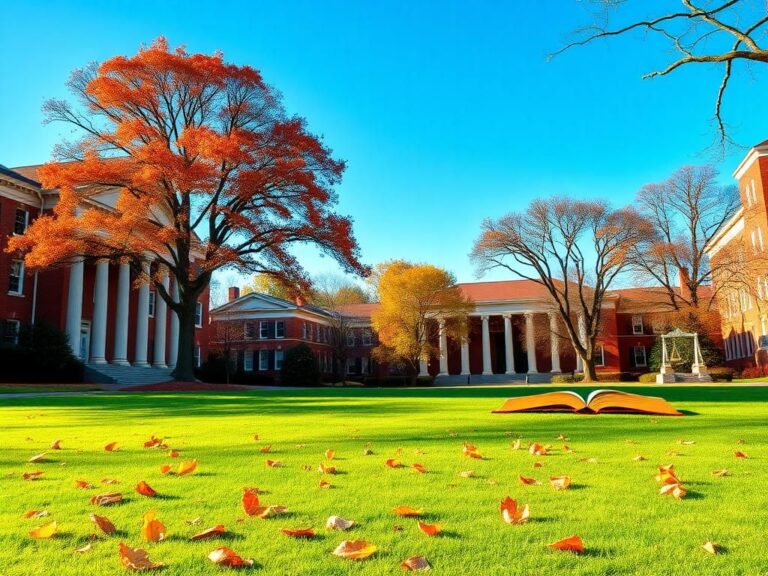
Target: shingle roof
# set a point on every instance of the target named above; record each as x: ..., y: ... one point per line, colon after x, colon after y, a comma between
x: 14, y: 173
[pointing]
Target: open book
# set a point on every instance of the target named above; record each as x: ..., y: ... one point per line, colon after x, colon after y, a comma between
x: 599, y: 401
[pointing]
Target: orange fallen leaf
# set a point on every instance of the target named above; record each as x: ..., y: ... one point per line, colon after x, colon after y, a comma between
x: 83, y: 484
x: 153, y: 441
x: 107, y: 499
x: 165, y: 468
x: 326, y: 469
x: 273, y: 463
x: 638, y: 458
x: 339, y: 523
x: 429, y: 529
x: 173, y: 453
x: 38, y: 457
x: 135, y: 558
x: 187, y: 467
x: 329, y: 454
x: 711, y: 547
x: 517, y: 444
x: 271, y: 511
x: 392, y: 463
x: 35, y: 513
x: 56, y: 445
x: 355, y: 550
x: 152, y: 529
x: 44, y: 531
x: 570, y: 544
x: 537, y: 465
x: 298, y: 532
x: 467, y: 474
x: 324, y: 483
x: 217, y: 530
x: 511, y: 513
x: 265, y: 449
x: 109, y: 481
x: 110, y: 447
x: 32, y: 475
x: 537, y: 449
x: 227, y: 557
x: 415, y: 563
x: 419, y: 468
x: 250, y: 501
x: 738, y: 454
x: 721, y: 473
x: 674, y: 490
x: 407, y: 511
x: 145, y: 489
x: 527, y: 481
x: 103, y: 523
x: 560, y: 482
x: 667, y: 475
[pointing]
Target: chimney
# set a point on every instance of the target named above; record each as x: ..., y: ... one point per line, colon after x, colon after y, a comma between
x: 300, y: 300
x: 234, y: 293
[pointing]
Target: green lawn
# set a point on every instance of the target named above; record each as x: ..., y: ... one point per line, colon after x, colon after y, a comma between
x: 30, y: 388
x: 614, y: 505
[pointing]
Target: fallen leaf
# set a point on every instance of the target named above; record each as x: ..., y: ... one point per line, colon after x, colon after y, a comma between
x: 324, y: 483
x: 165, y: 468
x: 667, y: 475
x: 110, y: 447
x: 686, y: 442
x: 273, y: 463
x: 107, y: 499
x: 721, y: 473
x: 415, y: 563
x: 187, y: 467
x: 298, y: 532
x: 711, y: 547
x: 56, y: 445
x: 83, y: 484
x: 153, y: 442
x: 265, y: 449
x: 145, y: 489
x: 407, y: 511
x: 570, y: 544
x: 568, y: 449
x: 32, y: 475
x: 103, y: 523
x: 517, y: 444
x: 392, y: 463
x: 419, y: 468
x: 339, y: 523
x: 84, y: 549
x: 194, y: 521
x: 537, y: 449
x: 44, y: 531
x: 326, y: 469
x: 272, y: 511
x: 250, y: 501
x: 470, y: 450
x: 563, y: 437
x: 511, y: 513
x: 152, y: 529
x: 675, y: 490
x: 256, y: 437
x: 537, y: 465
x: 467, y: 474
x: 638, y: 458
x: 560, y: 482
x: 355, y: 550
x: 527, y: 481
x: 38, y: 457
x: 135, y: 558
x: 429, y: 529
x: 173, y: 453
x: 35, y: 513
x: 738, y: 454
x: 217, y: 530
x: 109, y: 481
x: 329, y: 454
x: 227, y: 557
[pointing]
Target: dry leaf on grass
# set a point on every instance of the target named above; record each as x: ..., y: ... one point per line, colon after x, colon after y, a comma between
x: 110, y: 447
x: 570, y: 544
x: 298, y: 532
x: 392, y: 463
x: 44, y: 531
x: 152, y: 530
x: 103, y: 523
x: 511, y: 513
x: 674, y: 490
x: 227, y: 557
x: 537, y: 449
x: 135, y: 558
x: 721, y: 473
x: 250, y: 501
x: 326, y: 469
x: 419, y: 468
x: 415, y: 563
x: 173, y: 453
x: 56, y: 445
x: 165, y: 468
x: 527, y: 481
x: 329, y: 454
x: 35, y: 513
x: 517, y: 444
x: 83, y: 484
x: 145, y: 489
x: 107, y: 499
x: 429, y: 529
x: 339, y: 523
x: 738, y: 454
x: 560, y: 482
x: 355, y: 550
x: 84, y: 549
x: 38, y: 457
x: 407, y: 511
x: 711, y: 547
x: 324, y: 483
x: 217, y: 530
x: 265, y: 449
x: 467, y: 474
x: 32, y: 475
x: 273, y: 463
x: 187, y: 467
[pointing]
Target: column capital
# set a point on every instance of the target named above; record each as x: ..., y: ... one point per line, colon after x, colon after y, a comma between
x: 529, y: 314
x: 552, y: 313
x: 484, y: 317
x: 507, y: 315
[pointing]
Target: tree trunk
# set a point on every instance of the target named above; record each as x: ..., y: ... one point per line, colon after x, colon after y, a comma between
x: 185, y: 362
x: 590, y: 373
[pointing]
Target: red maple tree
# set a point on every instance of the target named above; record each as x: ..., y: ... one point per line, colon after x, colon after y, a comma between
x: 209, y: 169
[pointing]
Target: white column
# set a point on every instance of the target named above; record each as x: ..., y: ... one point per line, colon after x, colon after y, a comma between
x: 530, y: 343
x: 443, y: 350
x: 120, y: 355
x: 75, y: 306
x: 464, y: 356
x: 173, y: 345
x: 161, y: 321
x: 487, y: 369
x: 582, y: 328
x: 100, y: 299
x: 142, y: 320
x: 509, y: 345
x: 423, y: 364
x: 554, y: 342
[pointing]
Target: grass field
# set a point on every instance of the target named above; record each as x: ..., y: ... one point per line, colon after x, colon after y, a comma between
x: 614, y: 505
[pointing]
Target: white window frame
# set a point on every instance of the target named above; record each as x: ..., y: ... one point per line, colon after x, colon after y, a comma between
x: 20, y: 288
x: 279, y: 323
x: 198, y: 314
x: 645, y: 356
x: 602, y: 356
x: 304, y: 330
x: 367, y: 337
x: 263, y: 360
x: 152, y: 297
x: 637, y: 324
x: 278, y: 359
x: 248, y: 361
x: 263, y: 330
x: 26, y: 221
x: 16, y: 333
x: 196, y: 356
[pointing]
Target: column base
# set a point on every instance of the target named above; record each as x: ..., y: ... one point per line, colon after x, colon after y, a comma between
x: 443, y: 374
x: 556, y: 371
x: 98, y: 361
x: 512, y: 373
x: 120, y: 362
x: 487, y: 374
x: 465, y: 374
x: 159, y: 366
x: 141, y: 364
x: 532, y: 372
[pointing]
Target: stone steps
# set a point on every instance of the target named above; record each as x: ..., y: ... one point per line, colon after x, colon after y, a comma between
x: 126, y: 375
x: 480, y: 379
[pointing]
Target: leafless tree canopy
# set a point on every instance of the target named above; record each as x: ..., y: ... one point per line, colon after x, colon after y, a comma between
x: 698, y: 31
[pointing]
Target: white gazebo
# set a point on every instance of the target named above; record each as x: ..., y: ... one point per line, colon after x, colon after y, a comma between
x: 666, y: 371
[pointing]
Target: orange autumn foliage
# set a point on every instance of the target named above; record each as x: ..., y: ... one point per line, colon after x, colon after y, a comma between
x: 107, y: 499
x: 135, y: 558
x: 110, y: 447
x: 355, y: 550
x: 44, y: 531
x: 250, y: 501
x: 511, y: 513
x: 570, y: 544
x: 187, y: 467
x: 407, y: 511
x: 145, y: 489
x: 152, y: 529
x: 429, y: 529
x: 298, y: 532
x: 103, y: 523
x: 217, y: 530
x: 227, y: 557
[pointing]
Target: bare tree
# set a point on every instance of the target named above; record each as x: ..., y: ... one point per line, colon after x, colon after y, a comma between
x: 574, y: 249
x: 684, y: 212
x: 227, y: 339
x: 722, y: 32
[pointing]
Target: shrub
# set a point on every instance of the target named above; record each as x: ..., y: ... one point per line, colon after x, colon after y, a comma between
x: 300, y: 367
x: 648, y: 377
x: 42, y: 355
x: 214, y: 369
x: 749, y: 372
x: 713, y: 356
x: 567, y: 378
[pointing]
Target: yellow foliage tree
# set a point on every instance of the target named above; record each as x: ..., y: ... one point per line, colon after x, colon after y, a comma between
x: 413, y: 299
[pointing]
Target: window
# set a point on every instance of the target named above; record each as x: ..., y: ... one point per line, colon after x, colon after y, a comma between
x: 248, y: 361
x: 637, y: 324
x: 197, y: 356
x: 639, y: 355
x: 263, y: 360
x: 304, y: 331
x: 21, y: 221
x: 598, y: 355
x: 199, y: 314
x: 16, y: 281
x: 11, y: 330
x: 367, y: 337
x: 350, y: 338
x: 278, y: 359
x: 263, y: 330
x: 309, y: 330
x: 249, y: 331
x: 152, y: 303
x: 280, y: 329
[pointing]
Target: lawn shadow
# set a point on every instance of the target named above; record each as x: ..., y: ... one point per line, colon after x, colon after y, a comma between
x: 542, y: 519
x: 449, y: 534
x: 577, y: 487
x: 166, y: 497
x: 694, y: 496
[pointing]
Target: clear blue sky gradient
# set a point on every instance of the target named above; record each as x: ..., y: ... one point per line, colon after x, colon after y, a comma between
x: 446, y: 112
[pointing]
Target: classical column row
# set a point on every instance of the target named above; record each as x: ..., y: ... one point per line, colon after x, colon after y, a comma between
x: 98, y: 334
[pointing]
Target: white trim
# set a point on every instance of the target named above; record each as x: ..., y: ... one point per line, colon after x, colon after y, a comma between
x: 20, y: 290
x: 199, y: 305
x: 17, y: 332
x: 748, y: 160
x: 602, y: 356
x: 279, y: 355
x: 248, y: 361
x: 263, y: 356
x: 634, y: 356
x: 635, y: 324
x: 729, y: 230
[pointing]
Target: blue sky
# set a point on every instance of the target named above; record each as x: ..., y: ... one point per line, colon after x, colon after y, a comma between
x: 446, y: 112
